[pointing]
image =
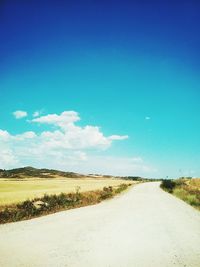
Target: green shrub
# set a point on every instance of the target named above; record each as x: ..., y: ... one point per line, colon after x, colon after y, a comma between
x: 121, y: 188
x: 168, y: 185
x: 181, y: 193
x: 193, y: 200
x: 106, y: 193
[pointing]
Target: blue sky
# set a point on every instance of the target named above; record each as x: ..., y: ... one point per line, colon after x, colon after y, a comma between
x: 129, y: 71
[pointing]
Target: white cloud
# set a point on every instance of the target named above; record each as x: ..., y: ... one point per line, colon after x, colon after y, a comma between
x: 136, y: 160
x: 147, y: 118
x: 36, y: 114
x: 7, y: 159
x: 51, y: 150
x: 19, y: 114
x: 25, y: 135
x: 4, y: 135
x: 113, y: 165
x: 65, y: 144
x: 78, y: 156
x: 64, y: 120
x: 70, y: 136
x: 118, y: 137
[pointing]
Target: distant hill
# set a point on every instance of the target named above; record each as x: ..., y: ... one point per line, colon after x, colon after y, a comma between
x: 34, y: 172
x: 28, y: 172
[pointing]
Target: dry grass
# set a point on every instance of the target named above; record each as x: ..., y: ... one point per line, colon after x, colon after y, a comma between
x: 194, y: 183
x: 16, y: 191
x: 186, y: 189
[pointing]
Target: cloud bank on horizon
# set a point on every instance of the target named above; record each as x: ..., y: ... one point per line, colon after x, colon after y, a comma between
x: 65, y: 145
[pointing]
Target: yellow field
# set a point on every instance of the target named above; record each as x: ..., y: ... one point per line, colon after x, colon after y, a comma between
x: 15, y: 191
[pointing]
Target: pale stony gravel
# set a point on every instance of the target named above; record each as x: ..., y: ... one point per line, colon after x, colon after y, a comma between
x: 144, y: 227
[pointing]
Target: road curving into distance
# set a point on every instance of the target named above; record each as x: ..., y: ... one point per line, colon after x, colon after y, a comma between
x: 143, y: 227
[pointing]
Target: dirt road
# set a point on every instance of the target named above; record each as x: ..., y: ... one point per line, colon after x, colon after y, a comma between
x: 144, y: 227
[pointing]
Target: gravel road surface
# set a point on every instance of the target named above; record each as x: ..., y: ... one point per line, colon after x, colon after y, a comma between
x: 143, y: 227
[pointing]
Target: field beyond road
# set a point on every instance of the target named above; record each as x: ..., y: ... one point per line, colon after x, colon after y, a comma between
x: 15, y: 191
x: 145, y: 227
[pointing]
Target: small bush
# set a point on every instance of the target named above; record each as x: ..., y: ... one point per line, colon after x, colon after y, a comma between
x: 106, y: 193
x: 193, y: 200
x: 181, y: 193
x: 121, y: 188
x: 168, y: 185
